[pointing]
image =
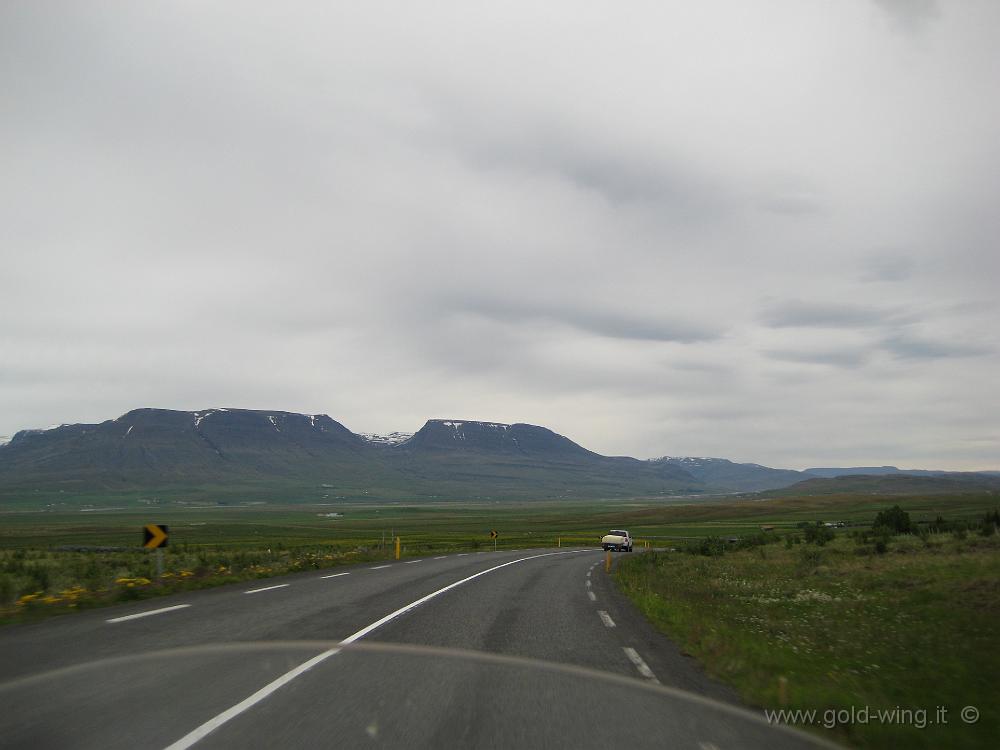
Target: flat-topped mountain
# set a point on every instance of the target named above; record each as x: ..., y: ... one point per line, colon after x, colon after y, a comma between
x: 161, y: 445
x: 305, y: 457
x: 279, y: 455
x: 461, y: 436
x: 846, y: 471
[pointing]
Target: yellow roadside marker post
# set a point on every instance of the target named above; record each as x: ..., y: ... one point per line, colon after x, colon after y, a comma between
x: 607, y: 562
x: 397, y: 547
x: 559, y: 542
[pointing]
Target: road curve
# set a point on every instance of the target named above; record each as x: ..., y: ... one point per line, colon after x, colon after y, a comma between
x: 88, y: 680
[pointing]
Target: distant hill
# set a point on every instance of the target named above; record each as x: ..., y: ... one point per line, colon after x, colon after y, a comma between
x: 891, y: 484
x: 149, y: 447
x: 501, y: 458
x: 733, y: 477
x: 238, y: 452
x: 243, y: 454
x: 871, y: 471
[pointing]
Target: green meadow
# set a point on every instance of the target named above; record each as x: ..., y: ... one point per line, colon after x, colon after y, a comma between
x: 904, y: 625
x: 833, y: 626
x: 88, y: 554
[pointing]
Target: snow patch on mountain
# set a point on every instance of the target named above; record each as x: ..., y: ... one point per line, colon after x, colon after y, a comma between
x: 692, y: 460
x: 392, y: 438
x: 199, y: 416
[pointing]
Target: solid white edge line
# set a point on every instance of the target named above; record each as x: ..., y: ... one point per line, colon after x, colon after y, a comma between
x: 214, y: 723
x: 640, y: 664
x: 591, y: 595
x: 147, y: 614
x: 335, y: 575
x: 605, y: 618
x: 267, y: 588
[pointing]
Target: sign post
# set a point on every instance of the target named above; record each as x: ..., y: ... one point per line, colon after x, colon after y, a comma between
x: 155, y: 536
x: 493, y: 536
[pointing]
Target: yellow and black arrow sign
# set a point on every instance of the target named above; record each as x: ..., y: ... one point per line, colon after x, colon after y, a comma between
x: 154, y: 535
x: 493, y: 535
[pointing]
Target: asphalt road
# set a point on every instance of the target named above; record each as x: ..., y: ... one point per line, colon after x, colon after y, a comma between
x: 529, y: 648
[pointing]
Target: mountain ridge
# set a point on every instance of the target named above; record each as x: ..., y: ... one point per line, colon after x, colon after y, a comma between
x: 248, y: 450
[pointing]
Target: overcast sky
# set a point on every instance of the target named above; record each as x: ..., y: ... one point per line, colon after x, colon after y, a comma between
x: 762, y: 230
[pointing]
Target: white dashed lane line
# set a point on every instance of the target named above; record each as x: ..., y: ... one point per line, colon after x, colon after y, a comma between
x: 442, y: 557
x: 147, y: 614
x: 591, y: 595
x: 605, y: 618
x: 267, y: 588
x: 335, y: 575
x: 410, y: 562
x: 644, y: 670
x: 380, y: 567
x: 588, y: 584
x: 219, y: 720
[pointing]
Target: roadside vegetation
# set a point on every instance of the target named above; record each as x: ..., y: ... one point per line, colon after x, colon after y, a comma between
x: 902, y: 613
x: 40, y: 583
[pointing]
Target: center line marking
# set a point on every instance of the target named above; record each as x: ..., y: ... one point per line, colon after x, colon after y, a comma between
x: 147, y: 614
x: 267, y: 588
x: 379, y: 567
x: 643, y: 668
x: 591, y: 595
x: 605, y: 618
x: 335, y: 575
x: 212, y: 724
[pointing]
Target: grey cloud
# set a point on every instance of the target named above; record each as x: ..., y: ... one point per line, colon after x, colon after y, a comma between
x: 799, y: 314
x: 910, y: 15
x: 602, y: 322
x: 523, y: 213
x: 909, y: 346
x: 792, y: 196
x: 791, y: 204
x: 616, y: 325
x: 600, y: 165
x: 849, y: 358
x: 888, y: 267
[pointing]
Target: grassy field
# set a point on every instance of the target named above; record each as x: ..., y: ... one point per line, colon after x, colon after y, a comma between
x: 840, y: 627
x: 56, y: 562
x: 44, y: 571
